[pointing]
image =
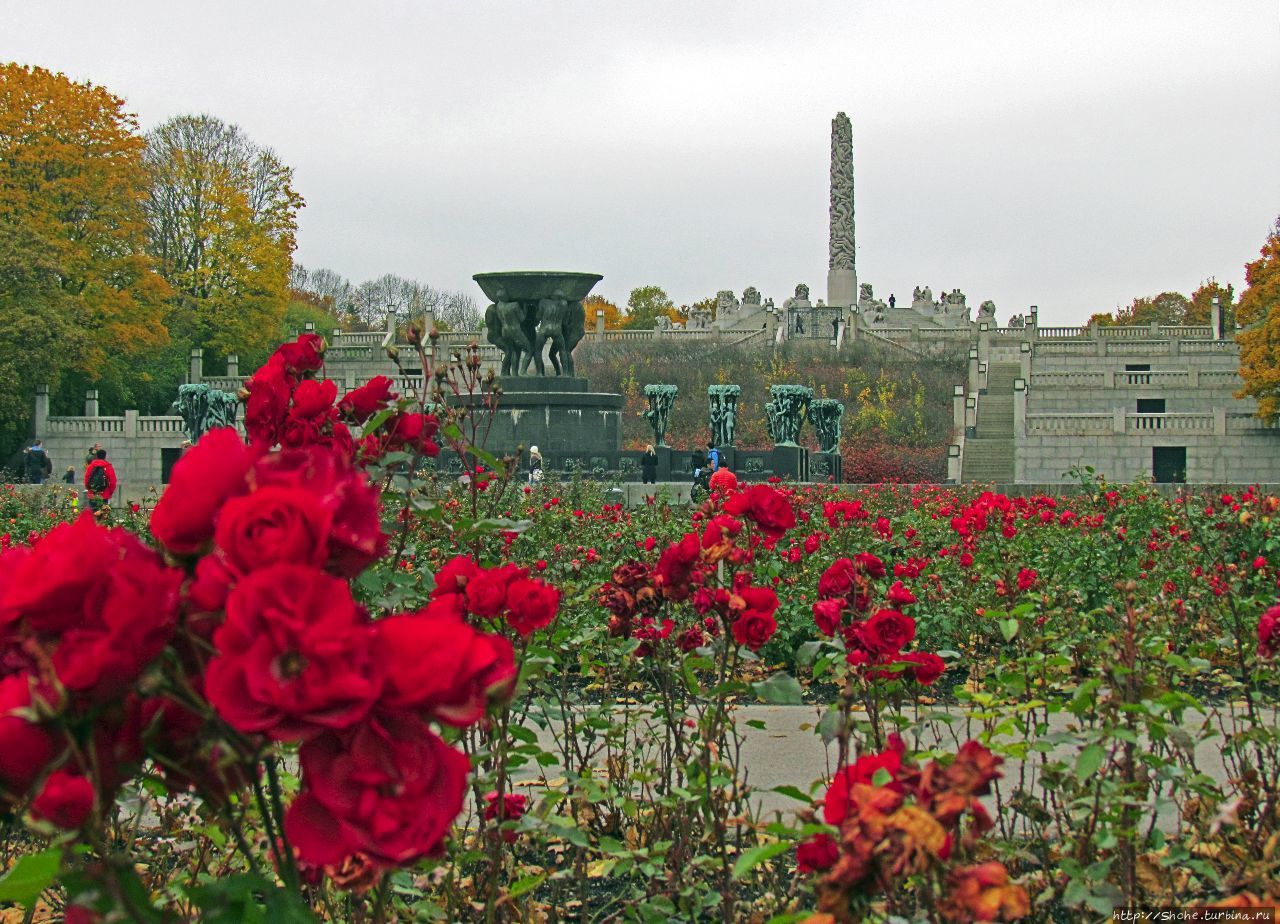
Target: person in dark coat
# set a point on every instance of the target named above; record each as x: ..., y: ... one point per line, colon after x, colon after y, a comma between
x: 649, y: 466
x: 39, y: 465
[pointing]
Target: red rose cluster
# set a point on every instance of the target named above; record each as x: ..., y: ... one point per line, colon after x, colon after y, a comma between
x: 684, y: 571
x: 265, y: 641
x: 286, y: 405
x: 84, y: 614
x: 896, y: 820
x: 846, y: 592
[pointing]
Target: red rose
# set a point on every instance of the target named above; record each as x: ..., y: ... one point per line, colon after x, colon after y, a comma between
x: 362, y: 403
x: 753, y: 629
x: 486, y: 592
x: 389, y: 788
x: 887, y: 631
x: 454, y: 577
x: 306, y: 354
x: 870, y: 564
x: 274, y: 525
x: 767, y: 506
x: 25, y: 748
x: 926, y: 666
x: 828, y: 614
x: 863, y: 771
x: 1269, y: 632
x: 356, y: 538
x: 207, y: 591
x: 675, y: 567
x: 212, y: 471
x: 818, y: 854
x: 510, y: 807
x: 837, y: 580
x: 899, y: 595
x: 294, y: 656
x: 531, y: 605
x: 413, y: 432
x: 65, y: 801
x: 312, y: 417
x: 437, y: 664
x: 720, y: 530
x: 267, y: 404
x: 103, y: 603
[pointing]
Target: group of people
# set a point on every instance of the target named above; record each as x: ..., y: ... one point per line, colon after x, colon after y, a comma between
x: 99, y: 474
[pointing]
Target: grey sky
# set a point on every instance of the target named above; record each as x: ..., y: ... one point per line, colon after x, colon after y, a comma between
x: 1068, y: 154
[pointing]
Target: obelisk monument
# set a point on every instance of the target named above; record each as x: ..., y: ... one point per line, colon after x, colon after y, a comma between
x: 842, y: 276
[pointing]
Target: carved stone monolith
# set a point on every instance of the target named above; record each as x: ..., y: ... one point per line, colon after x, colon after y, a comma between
x: 661, y: 397
x: 786, y: 411
x: 724, y: 414
x: 842, y: 276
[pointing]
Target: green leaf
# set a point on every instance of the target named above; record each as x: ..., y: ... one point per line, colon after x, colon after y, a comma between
x: 1089, y: 761
x: 527, y: 884
x: 31, y: 875
x: 793, y: 792
x: 757, y: 855
x: 1008, y: 628
x: 781, y: 690
x: 806, y: 653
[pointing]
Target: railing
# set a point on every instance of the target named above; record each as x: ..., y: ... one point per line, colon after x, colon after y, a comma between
x: 1064, y: 348
x: 1070, y: 423
x: 945, y: 333
x: 352, y: 338
x: 1220, y: 378
x: 224, y: 383
x: 1135, y: 347
x: 1189, y: 333
x: 1237, y: 420
x: 161, y: 425
x: 1140, y: 423
x: 85, y: 424
x: 1123, y: 332
x: 1068, y: 379
x: 1153, y: 378
x: 1054, y: 333
x: 1208, y: 346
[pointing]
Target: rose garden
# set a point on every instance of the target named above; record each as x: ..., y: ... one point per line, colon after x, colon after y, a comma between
x: 319, y: 679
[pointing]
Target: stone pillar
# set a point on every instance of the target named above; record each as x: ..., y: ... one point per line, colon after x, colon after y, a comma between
x: 957, y: 408
x: 1219, y: 421
x: 196, y: 374
x: 1019, y: 429
x: 1215, y: 320
x: 953, y: 463
x: 1117, y: 421
x: 600, y: 323
x: 309, y: 327
x: 131, y: 425
x: 233, y: 366
x: 391, y: 322
x: 1194, y: 377
x: 1034, y: 322
x: 40, y: 419
x: 842, y: 275
x: 984, y: 341
x: 428, y: 320
x: 971, y: 413
x: 91, y: 403
x: 1024, y: 359
x: 973, y: 369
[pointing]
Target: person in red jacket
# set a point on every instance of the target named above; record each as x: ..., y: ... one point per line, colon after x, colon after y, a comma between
x: 99, y: 481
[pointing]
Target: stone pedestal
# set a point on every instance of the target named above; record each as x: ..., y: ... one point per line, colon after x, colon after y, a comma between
x: 842, y: 288
x: 826, y: 467
x: 790, y: 462
x: 555, y: 413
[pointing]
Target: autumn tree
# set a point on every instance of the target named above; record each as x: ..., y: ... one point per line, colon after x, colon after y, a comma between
x: 406, y: 299
x: 222, y: 214
x: 1200, y: 309
x: 644, y: 306
x: 78, y: 295
x: 1165, y: 308
x: 614, y: 317
x: 1259, y: 313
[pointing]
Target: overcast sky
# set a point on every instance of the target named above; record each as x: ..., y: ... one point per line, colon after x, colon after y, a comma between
x: 1067, y: 154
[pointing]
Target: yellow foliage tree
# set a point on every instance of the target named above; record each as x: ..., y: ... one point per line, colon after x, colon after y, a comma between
x: 1259, y: 313
x: 78, y: 293
x: 613, y: 315
x: 222, y: 216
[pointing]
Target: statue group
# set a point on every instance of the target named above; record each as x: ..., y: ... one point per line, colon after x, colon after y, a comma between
x: 204, y: 408
x: 523, y: 330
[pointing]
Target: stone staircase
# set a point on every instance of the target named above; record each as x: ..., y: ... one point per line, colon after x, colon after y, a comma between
x: 988, y: 456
